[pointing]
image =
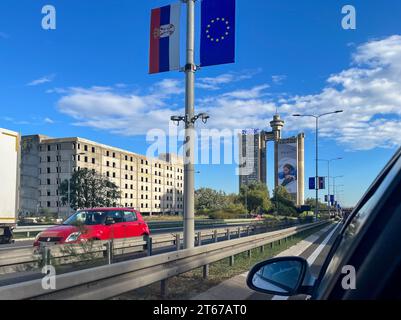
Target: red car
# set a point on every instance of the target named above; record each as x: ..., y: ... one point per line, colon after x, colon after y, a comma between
x: 96, y: 224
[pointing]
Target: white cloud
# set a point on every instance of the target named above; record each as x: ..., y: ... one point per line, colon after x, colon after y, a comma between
x: 42, y: 80
x: 126, y: 114
x: 215, y: 83
x: 369, y: 92
x: 278, y: 79
x: 255, y: 92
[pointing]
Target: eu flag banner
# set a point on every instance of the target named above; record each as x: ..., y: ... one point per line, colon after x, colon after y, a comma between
x: 217, y: 32
x: 165, y: 39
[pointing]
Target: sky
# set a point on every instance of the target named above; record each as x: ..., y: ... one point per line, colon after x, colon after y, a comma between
x: 89, y: 78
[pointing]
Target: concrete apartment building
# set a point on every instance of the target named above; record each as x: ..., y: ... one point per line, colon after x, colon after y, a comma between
x: 252, y: 147
x: 150, y: 185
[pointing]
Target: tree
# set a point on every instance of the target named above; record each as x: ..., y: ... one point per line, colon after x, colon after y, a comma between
x: 209, y: 199
x: 89, y: 189
x: 312, y: 203
x: 283, y: 202
x: 256, y: 198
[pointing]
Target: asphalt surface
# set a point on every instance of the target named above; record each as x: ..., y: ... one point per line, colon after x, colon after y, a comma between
x: 317, y: 252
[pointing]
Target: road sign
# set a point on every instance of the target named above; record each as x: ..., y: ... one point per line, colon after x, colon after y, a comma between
x: 322, y: 184
x: 312, y: 185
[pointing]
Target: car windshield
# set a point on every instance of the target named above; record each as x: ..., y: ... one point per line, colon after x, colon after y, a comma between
x: 87, y: 218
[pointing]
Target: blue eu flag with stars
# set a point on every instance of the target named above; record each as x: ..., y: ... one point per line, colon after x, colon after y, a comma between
x: 217, y: 32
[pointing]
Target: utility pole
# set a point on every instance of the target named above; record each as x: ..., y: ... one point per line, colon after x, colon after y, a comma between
x: 317, y: 117
x: 189, y: 174
x: 190, y: 119
x: 317, y: 170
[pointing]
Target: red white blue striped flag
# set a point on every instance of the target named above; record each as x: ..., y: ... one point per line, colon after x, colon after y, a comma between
x: 165, y: 39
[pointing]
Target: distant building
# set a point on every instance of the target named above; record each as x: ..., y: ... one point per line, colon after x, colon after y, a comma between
x: 252, y: 168
x: 149, y: 185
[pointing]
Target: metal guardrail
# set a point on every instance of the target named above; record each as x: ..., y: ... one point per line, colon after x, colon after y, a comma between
x: 112, y: 280
x: 69, y: 253
x: 152, y: 225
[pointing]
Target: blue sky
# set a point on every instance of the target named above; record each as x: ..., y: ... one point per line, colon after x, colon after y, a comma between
x: 89, y: 78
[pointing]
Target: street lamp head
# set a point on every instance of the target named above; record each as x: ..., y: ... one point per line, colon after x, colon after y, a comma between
x: 339, y: 111
x: 204, y: 116
x: 176, y: 118
x: 296, y: 115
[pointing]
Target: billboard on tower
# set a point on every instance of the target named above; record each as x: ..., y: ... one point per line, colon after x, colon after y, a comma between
x: 288, y: 166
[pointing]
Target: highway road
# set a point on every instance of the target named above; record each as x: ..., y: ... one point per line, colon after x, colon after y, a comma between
x: 315, y: 254
x: 314, y: 249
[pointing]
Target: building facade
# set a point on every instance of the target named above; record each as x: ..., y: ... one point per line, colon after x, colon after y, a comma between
x: 253, y: 162
x: 150, y: 185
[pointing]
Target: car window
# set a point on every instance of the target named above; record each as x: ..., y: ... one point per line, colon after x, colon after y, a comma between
x: 354, y: 229
x: 86, y: 218
x: 130, y: 216
x: 117, y: 216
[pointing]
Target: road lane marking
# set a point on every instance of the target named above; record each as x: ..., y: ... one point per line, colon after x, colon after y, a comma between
x: 312, y: 258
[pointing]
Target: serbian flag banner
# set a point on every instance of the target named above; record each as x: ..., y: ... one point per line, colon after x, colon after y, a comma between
x: 165, y: 39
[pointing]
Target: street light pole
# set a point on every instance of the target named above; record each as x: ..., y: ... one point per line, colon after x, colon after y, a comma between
x: 189, y: 177
x: 317, y: 117
x: 317, y: 170
x: 328, y: 179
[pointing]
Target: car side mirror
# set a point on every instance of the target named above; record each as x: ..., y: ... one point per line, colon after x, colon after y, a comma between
x: 283, y: 276
x: 109, y: 221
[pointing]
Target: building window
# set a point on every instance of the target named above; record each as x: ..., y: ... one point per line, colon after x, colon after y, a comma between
x: 114, y: 154
x: 108, y: 173
x: 48, y: 193
x: 93, y: 160
x: 132, y: 177
x: 132, y: 159
x: 48, y: 159
x: 48, y: 148
x: 126, y: 158
x: 48, y: 204
x: 108, y: 163
x: 48, y: 170
x: 93, y: 150
x: 107, y: 153
x: 48, y: 182
x: 114, y: 174
x: 114, y: 164
x: 86, y: 159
